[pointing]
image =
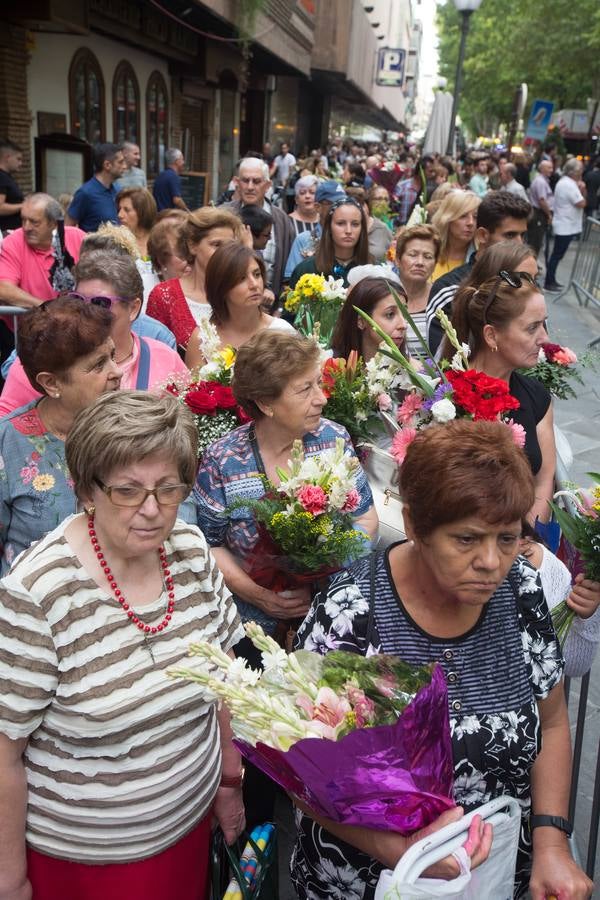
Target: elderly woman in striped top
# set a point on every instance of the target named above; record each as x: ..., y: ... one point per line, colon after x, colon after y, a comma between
x: 110, y: 771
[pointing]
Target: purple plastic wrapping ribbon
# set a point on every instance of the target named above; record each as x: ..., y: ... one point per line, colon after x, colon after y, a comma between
x: 391, y: 777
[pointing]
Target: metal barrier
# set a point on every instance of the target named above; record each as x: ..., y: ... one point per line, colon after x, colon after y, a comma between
x: 585, y: 274
x: 15, y: 312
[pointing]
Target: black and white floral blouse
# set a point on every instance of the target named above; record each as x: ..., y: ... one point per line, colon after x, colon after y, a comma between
x: 496, y: 673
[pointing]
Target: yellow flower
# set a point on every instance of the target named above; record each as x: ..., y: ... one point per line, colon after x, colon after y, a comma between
x: 227, y: 356
x: 43, y: 482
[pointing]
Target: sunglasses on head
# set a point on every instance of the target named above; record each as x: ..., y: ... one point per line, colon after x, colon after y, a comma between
x: 512, y: 279
x: 344, y: 201
x: 106, y: 301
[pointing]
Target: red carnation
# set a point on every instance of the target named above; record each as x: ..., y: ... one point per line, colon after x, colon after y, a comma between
x: 480, y: 395
x: 550, y: 349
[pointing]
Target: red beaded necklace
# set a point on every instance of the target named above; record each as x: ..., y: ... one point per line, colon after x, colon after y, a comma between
x: 135, y: 619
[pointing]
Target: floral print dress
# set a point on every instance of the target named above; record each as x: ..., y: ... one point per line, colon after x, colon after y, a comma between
x: 496, y: 673
x: 36, y: 490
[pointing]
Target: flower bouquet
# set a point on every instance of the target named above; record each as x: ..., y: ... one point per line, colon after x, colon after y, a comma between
x: 387, y: 174
x: 359, y: 740
x: 445, y: 390
x: 305, y: 524
x: 580, y: 525
x: 209, y: 394
x: 555, y: 369
x: 350, y: 402
x: 316, y: 300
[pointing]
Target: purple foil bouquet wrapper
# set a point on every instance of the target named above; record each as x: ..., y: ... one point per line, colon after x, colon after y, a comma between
x: 388, y: 777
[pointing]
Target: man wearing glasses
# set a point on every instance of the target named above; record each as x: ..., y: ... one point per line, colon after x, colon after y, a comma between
x: 252, y: 183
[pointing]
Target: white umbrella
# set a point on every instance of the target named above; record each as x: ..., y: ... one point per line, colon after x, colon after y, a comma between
x: 436, y: 138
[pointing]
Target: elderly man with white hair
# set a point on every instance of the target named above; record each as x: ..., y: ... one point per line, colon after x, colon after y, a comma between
x: 253, y: 182
x: 167, y: 186
x: 542, y: 201
x: 509, y: 182
x: 569, y: 200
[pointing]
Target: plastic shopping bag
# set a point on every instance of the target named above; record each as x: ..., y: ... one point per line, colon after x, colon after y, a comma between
x: 493, y: 880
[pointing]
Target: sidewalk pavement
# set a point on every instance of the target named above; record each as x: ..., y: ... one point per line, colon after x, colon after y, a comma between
x: 579, y: 419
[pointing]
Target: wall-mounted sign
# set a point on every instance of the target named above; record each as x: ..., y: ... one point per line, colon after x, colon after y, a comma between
x: 390, y: 67
x: 539, y: 119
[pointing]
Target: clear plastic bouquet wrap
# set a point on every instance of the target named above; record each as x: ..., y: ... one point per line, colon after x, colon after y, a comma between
x: 359, y: 740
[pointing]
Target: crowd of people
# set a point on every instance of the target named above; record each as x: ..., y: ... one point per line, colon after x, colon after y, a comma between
x: 119, y: 547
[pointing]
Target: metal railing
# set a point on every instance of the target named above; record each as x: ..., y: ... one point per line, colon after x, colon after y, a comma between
x: 585, y: 274
x: 15, y: 312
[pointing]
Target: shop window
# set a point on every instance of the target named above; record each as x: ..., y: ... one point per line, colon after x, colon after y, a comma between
x: 157, y: 120
x: 126, y: 105
x: 86, y: 97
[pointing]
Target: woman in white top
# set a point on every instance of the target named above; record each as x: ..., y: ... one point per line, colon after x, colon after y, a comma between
x: 235, y: 287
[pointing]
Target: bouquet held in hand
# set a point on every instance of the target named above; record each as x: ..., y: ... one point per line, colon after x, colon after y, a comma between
x: 305, y: 523
x: 350, y: 402
x: 359, y: 740
x: 317, y: 302
x: 556, y: 368
x: 208, y: 394
x: 580, y: 524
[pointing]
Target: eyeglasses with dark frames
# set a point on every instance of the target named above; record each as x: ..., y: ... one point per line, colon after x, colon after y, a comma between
x: 512, y: 279
x: 133, y: 495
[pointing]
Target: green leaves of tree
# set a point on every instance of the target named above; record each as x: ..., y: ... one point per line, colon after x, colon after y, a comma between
x: 552, y: 45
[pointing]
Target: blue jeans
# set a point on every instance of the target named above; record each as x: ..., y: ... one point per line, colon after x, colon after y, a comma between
x: 561, y: 244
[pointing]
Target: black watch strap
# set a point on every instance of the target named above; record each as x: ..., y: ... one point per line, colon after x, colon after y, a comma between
x: 553, y: 822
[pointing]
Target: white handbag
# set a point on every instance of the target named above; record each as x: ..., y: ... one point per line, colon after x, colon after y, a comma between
x: 492, y: 880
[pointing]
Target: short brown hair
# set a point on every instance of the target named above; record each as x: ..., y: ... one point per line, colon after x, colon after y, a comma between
x: 123, y: 427
x: 266, y: 363
x: 347, y: 336
x: 200, y: 223
x: 163, y: 240
x: 420, y: 233
x: 226, y: 268
x: 143, y: 203
x: 465, y: 468
x: 55, y: 335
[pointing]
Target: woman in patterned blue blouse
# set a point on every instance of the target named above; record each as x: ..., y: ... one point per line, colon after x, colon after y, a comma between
x: 457, y: 593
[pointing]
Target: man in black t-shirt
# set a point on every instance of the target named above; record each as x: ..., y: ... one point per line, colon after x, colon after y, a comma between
x: 11, y: 196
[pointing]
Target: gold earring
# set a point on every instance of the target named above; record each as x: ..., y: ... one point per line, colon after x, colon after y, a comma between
x: 89, y: 510
x: 495, y: 348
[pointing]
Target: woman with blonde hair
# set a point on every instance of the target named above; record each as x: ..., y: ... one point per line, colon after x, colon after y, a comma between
x: 181, y: 303
x: 456, y: 222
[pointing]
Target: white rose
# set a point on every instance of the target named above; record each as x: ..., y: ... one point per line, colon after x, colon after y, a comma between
x: 443, y: 410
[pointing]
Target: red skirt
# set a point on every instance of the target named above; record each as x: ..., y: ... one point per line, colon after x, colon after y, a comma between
x: 178, y: 873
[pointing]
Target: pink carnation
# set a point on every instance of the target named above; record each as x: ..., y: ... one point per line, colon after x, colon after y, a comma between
x: 352, y: 501
x: 312, y: 498
x: 564, y: 357
x: 401, y: 442
x: 384, y: 402
x: 518, y: 433
x: 409, y: 407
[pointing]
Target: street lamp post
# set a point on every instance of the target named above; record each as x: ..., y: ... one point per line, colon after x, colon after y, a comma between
x: 465, y: 8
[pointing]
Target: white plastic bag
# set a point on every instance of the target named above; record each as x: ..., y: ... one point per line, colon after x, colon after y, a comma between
x: 493, y: 880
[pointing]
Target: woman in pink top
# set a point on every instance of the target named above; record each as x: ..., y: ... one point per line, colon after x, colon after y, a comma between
x: 110, y: 280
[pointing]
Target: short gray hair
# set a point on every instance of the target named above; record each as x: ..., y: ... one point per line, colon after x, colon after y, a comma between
x: 251, y: 162
x: 116, y: 268
x: 572, y: 165
x: 172, y: 155
x: 52, y: 208
x: 124, y: 427
x: 307, y: 181
x: 512, y: 170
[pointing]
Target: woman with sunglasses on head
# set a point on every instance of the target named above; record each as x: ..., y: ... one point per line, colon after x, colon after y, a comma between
x: 503, y: 320
x: 110, y: 772
x: 68, y: 354
x: 111, y: 281
x: 344, y: 243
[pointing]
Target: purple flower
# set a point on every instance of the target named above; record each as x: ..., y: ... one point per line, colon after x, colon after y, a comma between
x: 440, y: 392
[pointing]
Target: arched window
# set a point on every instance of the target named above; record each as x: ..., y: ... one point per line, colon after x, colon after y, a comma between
x: 86, y: 97
x: 126, y: 105
x: 157, y: 121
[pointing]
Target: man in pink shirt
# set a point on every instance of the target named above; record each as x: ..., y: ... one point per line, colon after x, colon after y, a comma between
x: 27, y: 256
